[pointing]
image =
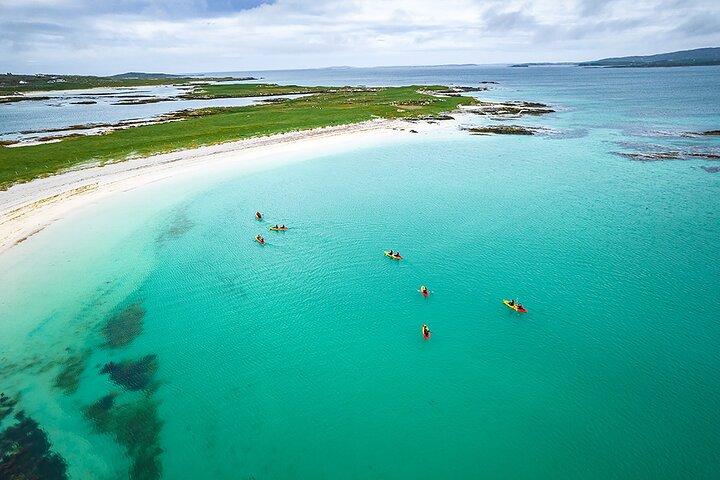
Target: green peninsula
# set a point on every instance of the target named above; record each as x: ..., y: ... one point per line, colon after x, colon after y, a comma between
x: 325, y: 106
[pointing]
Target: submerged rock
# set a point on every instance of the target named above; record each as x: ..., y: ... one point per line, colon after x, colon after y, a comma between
x: 132, y: 374
x: 26, y: 453
x: 651, y: 156
x: 667, y: 155
x: 121, y: 329
x: 711, y: 169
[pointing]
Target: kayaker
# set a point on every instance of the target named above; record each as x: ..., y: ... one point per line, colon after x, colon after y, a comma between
x: 512, y: 303
x: 283, y: 227
x: 519, y: 306
x: 397, y: 254
x: 426, y: 330
x: 276, y: 226
x: 391, y: 253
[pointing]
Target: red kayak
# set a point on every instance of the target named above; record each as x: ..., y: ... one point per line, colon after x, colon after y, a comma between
x: 425, y: 332
x: 258, y: 215
x: 424, y: 291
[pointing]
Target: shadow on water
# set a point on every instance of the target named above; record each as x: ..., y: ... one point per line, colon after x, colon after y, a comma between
x: 25, y: 451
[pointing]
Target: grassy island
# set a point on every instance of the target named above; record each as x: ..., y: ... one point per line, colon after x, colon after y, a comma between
x: 326, y: 106
x: 11, y: 84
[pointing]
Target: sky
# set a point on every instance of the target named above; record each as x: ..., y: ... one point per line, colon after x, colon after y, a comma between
x: 104, y: 37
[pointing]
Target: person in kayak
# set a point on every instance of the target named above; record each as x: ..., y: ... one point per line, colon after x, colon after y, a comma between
x: 276, y: 226
x: 426, y: 330
x: 283, y: 227
x: 391, y: 253
x: 397, y: 254
x: 519, y: 306
x: 512, y: 303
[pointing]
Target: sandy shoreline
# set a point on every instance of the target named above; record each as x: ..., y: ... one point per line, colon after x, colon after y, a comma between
x: 27, y: 208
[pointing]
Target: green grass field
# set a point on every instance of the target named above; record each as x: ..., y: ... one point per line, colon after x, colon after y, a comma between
x: 217, y: 125
x: 235, y: 90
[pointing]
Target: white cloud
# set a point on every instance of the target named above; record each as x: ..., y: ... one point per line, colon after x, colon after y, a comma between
x: 197, y: 35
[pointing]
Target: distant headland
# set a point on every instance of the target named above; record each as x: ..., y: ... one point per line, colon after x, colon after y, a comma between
x: 682, y: 58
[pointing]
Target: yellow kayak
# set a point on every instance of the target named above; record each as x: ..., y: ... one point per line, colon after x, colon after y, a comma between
x: 278, y: 229
x: 515, y: 306
x: 395, y: 256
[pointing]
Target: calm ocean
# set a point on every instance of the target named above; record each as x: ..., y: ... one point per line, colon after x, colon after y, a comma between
x: 304, y: 358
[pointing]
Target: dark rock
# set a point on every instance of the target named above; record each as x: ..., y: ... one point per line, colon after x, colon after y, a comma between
x: 428, y: 118
x: 502, y: 130
x: 413, y: 131
x: 709, y: 156
x: 711, y: 132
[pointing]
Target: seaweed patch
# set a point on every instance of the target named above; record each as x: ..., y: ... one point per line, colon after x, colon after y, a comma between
x: 7, y: 405
x: 68, y: 379
x: 132, y: 374
x: 26, y: 453
x: 136, y: 426
x: 121, y: 329
x: 180, y: 225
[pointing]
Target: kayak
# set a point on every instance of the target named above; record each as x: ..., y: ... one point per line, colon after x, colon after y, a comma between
x: 515, y: 307
x: 424, y: 291
x: 278, y: 229
x: 426, y: 336
x: 258, y: 215
x: 395, y: 256
x: 260, y: 240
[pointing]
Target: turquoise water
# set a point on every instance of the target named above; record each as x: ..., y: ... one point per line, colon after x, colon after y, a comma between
x: 304, y: 358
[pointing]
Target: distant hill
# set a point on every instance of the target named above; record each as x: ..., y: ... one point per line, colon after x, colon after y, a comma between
x: 142, y: 75
x: 683, y: 58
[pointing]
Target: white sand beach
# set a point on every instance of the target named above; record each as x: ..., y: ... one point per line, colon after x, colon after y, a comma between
x: 27, y: 208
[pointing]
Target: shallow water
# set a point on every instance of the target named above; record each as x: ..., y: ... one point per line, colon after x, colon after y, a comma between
x: 63, y: 113
x: 304, y: 358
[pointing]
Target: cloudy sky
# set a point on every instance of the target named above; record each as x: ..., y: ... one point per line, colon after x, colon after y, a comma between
x: 181, y: 36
